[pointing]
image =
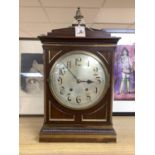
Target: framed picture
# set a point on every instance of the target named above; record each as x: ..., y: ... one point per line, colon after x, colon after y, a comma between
x: 124, y: 73
x: 31, y: 78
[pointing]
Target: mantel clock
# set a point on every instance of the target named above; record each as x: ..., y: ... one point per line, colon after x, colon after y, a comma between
x: 78, y: 85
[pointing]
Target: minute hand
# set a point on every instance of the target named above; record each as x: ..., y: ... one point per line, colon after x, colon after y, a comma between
x: 71, y: 73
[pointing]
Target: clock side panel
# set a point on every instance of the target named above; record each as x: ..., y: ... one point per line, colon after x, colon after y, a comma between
x: 52, y: 112
x: 109, y: 54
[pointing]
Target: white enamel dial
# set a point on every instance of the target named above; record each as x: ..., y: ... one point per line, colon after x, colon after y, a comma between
x: 78, y: 80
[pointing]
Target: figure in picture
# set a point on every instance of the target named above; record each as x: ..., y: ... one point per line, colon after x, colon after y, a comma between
x: 126, y: 70
x: 34, y: 84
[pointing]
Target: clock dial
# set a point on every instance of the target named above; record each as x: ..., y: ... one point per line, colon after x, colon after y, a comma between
x: 78, y: 80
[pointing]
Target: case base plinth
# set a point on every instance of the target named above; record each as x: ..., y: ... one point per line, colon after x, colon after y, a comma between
x: 77, y: 134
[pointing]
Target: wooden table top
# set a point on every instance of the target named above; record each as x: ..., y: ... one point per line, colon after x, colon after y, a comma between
x: 29, y: 144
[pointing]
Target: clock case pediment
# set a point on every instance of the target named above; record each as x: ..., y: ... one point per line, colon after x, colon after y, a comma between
x: 68, y: 35
x: 56, y: 117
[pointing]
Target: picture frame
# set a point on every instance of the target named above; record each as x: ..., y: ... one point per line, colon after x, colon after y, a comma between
x: 125, y: 106
x: 31, y: 78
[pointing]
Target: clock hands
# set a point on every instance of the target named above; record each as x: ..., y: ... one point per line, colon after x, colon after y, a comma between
x: 71, y: 73
x: 87, y: 81
x: 78, y: 80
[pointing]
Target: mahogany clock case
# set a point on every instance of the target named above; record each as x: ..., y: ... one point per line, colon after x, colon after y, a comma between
x: 65, y: 124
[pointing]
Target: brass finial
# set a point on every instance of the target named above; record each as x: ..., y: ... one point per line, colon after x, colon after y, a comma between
x: 78, y: 16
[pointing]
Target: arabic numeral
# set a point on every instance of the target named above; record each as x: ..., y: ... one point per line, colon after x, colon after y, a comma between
x: 62, y: 90
x: 88, y: 63
x: 96, y: 90
x: 59, y: 80
x: 69, y: 64
x: 88, y: 97
x: 78, y: 99
x: 69, y: 97
x: 98, y: 79
x: 95, y: 69
x: 78, y: 61
x: 62, y: 71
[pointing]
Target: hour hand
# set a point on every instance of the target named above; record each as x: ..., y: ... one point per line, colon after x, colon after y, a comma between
x: 87, y: 81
